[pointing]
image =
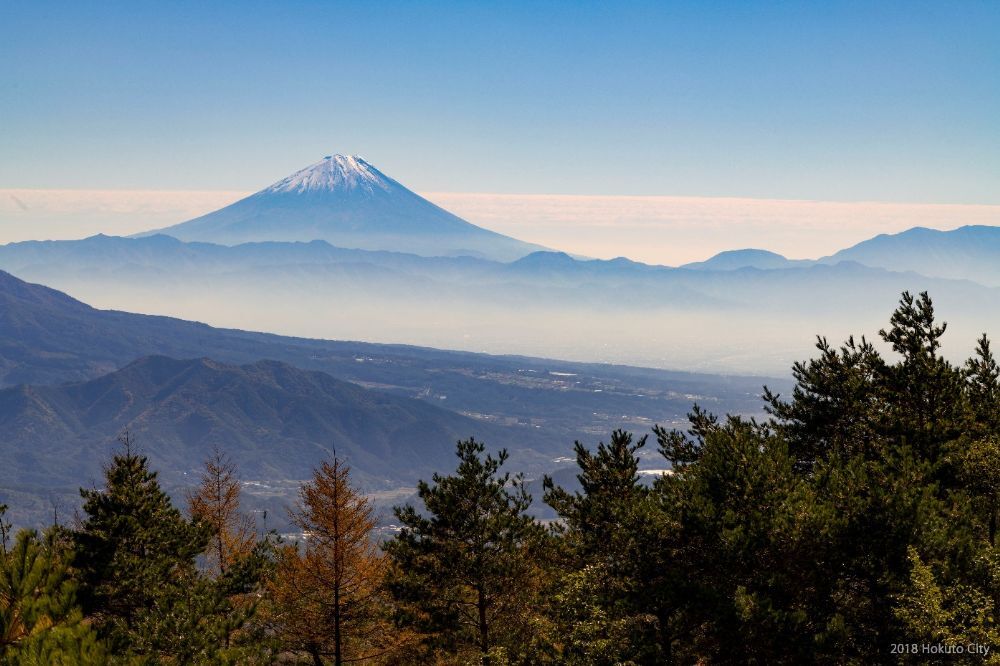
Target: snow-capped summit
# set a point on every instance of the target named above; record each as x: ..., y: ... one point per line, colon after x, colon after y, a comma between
x: 333, y: 172
x: 347, y: 202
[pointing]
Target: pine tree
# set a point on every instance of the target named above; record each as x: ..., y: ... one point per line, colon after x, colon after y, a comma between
x: 40, y: 621
x: 837, y: 405
x: 887, y: 465
x: 329, y: 598
x: 927, y: 407
x: 953, y: 614
x: 135, y: 554
x: 463, y: 566
x: 604, y: 608
x: 982, y: 375
x: 610, y: 486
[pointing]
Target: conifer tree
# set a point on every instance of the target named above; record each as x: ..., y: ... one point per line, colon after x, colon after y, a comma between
x: 747, y: 554
x: 893, y: 471
x: 135, y: 554
x: 927, y: 408
x: 610, y: 487
x: 40, y: 621
x: 606, y: 607
x: 238, y: 563
x: 837, y: 405
x: 329, y: 598
x: 953, y: 614
x: 216, y: 503
x: 463, y: 566
x: 983, y: 386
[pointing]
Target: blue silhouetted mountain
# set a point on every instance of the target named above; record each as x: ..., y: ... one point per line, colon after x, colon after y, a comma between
x: 731, y: 260
x: 349, y: 203
x: 544, y: 304
x: 276, y: 420
x: 970, y: 253
x: 46, y: 337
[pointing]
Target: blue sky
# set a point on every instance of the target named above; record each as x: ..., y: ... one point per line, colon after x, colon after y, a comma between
x: 837, y: 101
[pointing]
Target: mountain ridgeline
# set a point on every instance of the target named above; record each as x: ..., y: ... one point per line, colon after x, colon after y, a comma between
x: 966, y: 253
x: 76, y: 376
x: 282, y: 422
x: 543, y: 304
x: 825, y: 519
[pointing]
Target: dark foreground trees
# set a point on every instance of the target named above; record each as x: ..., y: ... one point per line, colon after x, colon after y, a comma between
x: 465, y: 569
x: 606, y: 570
x: 135, y: 558
x: 40, y: 619
x: 857, y: 523
x: 136, y: 563
x: 862, y: 515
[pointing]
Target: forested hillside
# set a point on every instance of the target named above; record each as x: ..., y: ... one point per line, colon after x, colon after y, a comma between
x: 857, y: 523
x: 72, y: 377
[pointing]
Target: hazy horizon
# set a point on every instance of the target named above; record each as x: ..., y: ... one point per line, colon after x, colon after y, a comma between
x: 668, y: 230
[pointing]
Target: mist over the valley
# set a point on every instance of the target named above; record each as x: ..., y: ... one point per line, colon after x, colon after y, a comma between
x: 745, y: 320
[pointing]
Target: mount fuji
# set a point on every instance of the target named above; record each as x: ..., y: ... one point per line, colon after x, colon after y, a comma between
x: 349, y: 203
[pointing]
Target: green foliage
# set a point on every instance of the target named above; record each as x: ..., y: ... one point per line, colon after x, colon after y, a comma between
x: 40, y: 621
x: 835, y: 408
x: 953, y: 615
x: 139, y: 583
x: 608, y: 554
x: 463, y: 568
x: 816, y: 534
x: 610, y: 489
x: 861, y: 514
x: 983, y: 376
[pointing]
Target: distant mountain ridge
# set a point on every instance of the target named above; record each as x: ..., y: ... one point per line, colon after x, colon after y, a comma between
x: 277, y: 420
x: 966, y: 253
x: 969, y: 253
x: 731, y: 260
x: 546, y: 304
x: 277, y: 417
x: 46, y: 337
x: 348, y: 202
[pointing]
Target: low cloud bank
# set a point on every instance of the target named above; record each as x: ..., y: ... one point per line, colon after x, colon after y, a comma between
x: 652, y: 229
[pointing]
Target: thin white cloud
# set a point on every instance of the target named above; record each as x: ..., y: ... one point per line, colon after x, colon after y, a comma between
x: 59, y: 214
x: 663, y: 230
x: 675, y: 230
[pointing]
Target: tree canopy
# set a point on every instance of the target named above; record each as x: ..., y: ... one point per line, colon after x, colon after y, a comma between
x: 854, y: 522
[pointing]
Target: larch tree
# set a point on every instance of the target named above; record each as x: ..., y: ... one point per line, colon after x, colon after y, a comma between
x: 216, y: 503
x: 328, y: 596
x: 238, y: 562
